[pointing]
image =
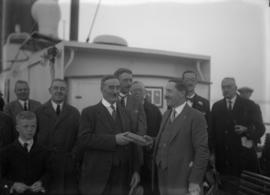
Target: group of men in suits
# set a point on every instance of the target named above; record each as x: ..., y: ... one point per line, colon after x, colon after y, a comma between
x: 95, y: 153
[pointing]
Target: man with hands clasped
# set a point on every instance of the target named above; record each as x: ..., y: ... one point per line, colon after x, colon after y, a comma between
x: 108, y: 165
x: 181, y: 148
x: 25, y: 164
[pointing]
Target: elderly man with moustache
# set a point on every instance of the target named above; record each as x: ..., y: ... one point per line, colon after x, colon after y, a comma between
x: 236, y: 126
x: 108, y: 165
x: 58, y: 124
x: 153, y: 119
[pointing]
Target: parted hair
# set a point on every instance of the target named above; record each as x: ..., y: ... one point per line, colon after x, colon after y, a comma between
x: 179, y: 84
x: 105, y: 78
x: 120, y: 71
x: 25, y: 115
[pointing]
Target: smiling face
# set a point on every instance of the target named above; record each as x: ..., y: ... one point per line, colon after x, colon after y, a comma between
x: 22, y: 90
x: 110, y: 90
x: 26, y: 128
x: 173, y: 96
x: 58, y: 91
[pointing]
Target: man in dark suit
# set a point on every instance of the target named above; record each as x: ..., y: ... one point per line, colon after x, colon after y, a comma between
x: 133, y: 107
x: 2, y: 102
x: 180, y: 151
x: 194, y: 100
x: 153, y: 119
x: 246, y: 92
x: 107, y: 157
x: 235, y: 127
x: 24, y: 165
x: 58, y: 125
x: 23, y: 102
x: 7, y: 132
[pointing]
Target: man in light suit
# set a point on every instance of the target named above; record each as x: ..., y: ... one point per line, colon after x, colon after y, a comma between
x: 181, y: 149
x: 58, y: 124
x: 23, y: 102
x: 108, y: 165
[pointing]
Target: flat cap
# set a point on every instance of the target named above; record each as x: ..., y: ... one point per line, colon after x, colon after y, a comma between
x: 245, y: 89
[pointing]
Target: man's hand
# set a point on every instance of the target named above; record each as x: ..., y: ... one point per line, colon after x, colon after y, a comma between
x: 121, y: 139
x: 149, y: 141
x: 194, y: 189
x: 37, y: 187
x: 18, y: 187
x: 135, y: 180
x: 239, y: 129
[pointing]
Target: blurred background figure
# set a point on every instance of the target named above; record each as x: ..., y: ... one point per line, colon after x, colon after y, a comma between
x: 153, y: 120
x: 2, y: 102
x: 23, y: 102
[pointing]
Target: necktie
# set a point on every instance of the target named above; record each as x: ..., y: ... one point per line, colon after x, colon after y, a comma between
x: 25, y: 106
x: 122, y: 101
x: 58, y: 109
x: 25, y: 147
x: 173, y: 115
x: 113, y: 112
x: 229, y: 105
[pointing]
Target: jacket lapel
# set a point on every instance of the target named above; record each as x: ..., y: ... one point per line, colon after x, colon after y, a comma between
x: 104, y: 115
x: 164, y: 121
x: 18, y: 106
x: 178, y: 122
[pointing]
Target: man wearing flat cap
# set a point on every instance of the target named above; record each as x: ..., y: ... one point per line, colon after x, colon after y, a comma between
x: 246, y: 92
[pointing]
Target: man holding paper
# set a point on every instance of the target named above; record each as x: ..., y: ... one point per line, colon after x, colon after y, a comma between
x: 181, y: 148
x: 108, y: 166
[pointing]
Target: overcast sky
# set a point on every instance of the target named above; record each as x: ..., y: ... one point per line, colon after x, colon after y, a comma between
x: 232, y: 32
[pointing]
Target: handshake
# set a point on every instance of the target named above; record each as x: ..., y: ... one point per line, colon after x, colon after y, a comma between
x: 127, y: 137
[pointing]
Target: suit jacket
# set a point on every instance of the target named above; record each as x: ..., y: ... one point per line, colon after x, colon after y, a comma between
x: 137, y: 116
x: 153, y: 119
x: 58, y: 134
x: 17, y: 165
x: 14, y: 107
x: 97, y: 143
x: 229, y: 152
x: 7, y: 131
x: 188, y: 151
x: 202, y: 104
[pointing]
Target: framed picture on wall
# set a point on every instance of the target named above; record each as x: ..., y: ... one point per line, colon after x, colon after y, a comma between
x: 155, y: 95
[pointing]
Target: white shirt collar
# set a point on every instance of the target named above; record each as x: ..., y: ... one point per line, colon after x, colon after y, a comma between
x: 179, y: 109
x: 29, y: 143
x: 54, y: 105
x: 23, y: 101
x: 108, y: 105
x: 191, y: 96
x: 232, y: 99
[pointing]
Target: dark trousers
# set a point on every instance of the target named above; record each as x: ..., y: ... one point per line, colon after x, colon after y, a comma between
x: 229, y: 185
x: 118, y: 182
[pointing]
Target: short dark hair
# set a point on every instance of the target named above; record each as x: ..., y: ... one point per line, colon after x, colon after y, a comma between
x: 21, y: 82
x: 105, y: 78
x: 120, y: 71
x: 28, y: 115
x: 179, y: 84
x: 58, y: 79
x: 189, y: 71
